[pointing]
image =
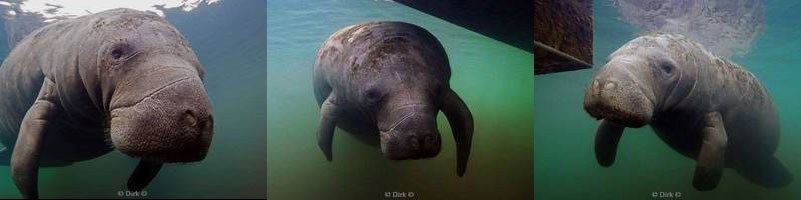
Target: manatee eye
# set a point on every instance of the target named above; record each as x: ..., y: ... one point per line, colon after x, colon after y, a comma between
x: 373, y: 96
x: 667, y: 68
x: 116, y: 54
x: 119, y: 53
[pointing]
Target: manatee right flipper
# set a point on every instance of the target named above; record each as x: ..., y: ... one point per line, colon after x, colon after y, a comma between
x: 144, y: 173
x: 606, y: 139
x: 461, y: 121
x: 709, y: 167
x: 25, y: 158
x: 325, y: 134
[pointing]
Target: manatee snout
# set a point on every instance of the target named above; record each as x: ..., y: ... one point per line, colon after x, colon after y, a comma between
x: 618, y: 94
x: 412, y: 134
x: 173, y: 123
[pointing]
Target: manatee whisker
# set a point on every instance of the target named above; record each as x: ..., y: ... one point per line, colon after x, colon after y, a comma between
x: 399, y: 122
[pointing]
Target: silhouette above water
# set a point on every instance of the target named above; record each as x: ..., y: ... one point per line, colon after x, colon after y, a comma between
x: 705, y: 107
x: 724, y: 27
x: 76, y: 89
x: 387, y: 81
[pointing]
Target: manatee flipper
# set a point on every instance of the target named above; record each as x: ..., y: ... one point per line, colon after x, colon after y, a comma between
x: 25, y: 158
x: 144, y: 173
x: 606, y: 139
x: 709, y: 167
x: 767, y: 171
x: 461, y: 122
x: 325, y: 134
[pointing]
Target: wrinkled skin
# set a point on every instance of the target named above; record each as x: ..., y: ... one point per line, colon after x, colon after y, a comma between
x: 76, y: 89
x: 703, y: 106
x: 390, y: 80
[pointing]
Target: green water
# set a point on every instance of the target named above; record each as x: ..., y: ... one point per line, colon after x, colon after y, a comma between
x: 564, y: 133
x: 229, y: 40
x: 493, y: 78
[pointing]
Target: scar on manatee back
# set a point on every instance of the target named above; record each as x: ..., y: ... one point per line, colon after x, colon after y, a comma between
x: 328, y: 51
x: 378, y: 52
x: 381, y: 49
x: 345, y: 36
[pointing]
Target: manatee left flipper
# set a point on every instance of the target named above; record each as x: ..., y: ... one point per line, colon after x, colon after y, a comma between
x: 461, y: 121
x: 606, y: 139
x: 25, y: 158
x: 709, y: 167
x: 144, y: 173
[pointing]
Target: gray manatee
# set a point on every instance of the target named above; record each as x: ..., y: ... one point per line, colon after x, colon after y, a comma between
x: 705, y: 107
x: 76, y: 89
x: 387, y: 81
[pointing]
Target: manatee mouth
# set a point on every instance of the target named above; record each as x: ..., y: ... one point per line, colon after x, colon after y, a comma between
x: 628, y: 118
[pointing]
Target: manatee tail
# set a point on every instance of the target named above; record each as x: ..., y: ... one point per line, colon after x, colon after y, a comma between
x: 765, y: 172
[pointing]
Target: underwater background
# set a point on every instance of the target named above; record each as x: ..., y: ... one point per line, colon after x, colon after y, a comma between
x: 493, y: 78
x: 229, y: 39
x: 564, y: 133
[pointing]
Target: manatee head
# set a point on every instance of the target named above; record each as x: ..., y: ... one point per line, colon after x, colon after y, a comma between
x: 647, y: 74
x: 150, y: 83
x: 403, y: 93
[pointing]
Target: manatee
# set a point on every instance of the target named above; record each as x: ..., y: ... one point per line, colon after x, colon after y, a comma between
x: 386, y: 82
x: 77, y: 89
x: 703, y: 106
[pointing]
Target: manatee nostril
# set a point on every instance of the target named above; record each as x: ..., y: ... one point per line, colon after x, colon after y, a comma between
x: 414, y: 142
x: 190, y: 118
x: 609, y: 85
x: 429, y: 140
